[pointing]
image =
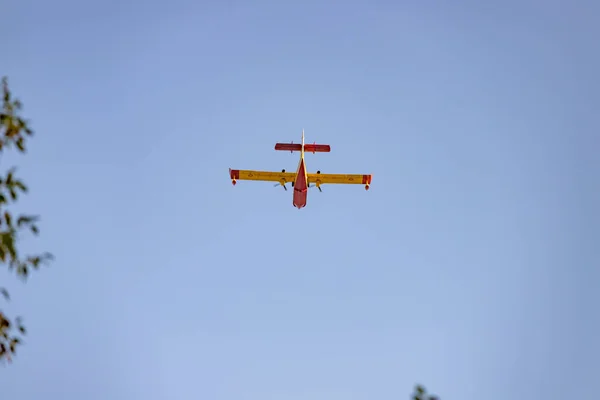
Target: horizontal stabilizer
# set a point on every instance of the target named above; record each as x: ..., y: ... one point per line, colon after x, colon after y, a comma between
x: 288, y: 146
x: 317, y: 148
x: 309, y: 148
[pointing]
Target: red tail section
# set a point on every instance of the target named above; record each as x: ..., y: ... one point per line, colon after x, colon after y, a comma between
x: 288, y: 146
x: 317, y: 148
x: 309, y: 148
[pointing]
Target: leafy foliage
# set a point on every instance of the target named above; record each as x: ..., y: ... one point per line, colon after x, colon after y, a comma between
x: 14, y: 131
x: 420, y: 393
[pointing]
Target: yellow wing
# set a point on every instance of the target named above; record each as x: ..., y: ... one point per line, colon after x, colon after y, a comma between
x: 348, y: 179
x: 267, y: 176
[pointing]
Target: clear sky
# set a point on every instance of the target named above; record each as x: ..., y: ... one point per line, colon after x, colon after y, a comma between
x: 472, y: 265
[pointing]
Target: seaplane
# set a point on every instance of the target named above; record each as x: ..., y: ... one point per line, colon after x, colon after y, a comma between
x: 300, y: 180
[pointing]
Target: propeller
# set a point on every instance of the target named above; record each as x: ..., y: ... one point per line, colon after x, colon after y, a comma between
x: 282, y: 182
x: 318, y: 187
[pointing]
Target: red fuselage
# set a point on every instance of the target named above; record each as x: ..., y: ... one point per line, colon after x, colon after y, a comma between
x: 301, y: 184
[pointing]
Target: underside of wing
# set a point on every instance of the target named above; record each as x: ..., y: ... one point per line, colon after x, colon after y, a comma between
x: 343, y: 179
x: 348, y: 179
x: 266, y: 176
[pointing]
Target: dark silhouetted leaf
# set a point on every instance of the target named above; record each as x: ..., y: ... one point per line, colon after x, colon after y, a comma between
x: 26, y: 219
x: 35, y: 261
x: 9, y: 177
x: 21, y: 186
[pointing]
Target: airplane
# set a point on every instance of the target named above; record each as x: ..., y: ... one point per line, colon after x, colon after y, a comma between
x: 300, y: 180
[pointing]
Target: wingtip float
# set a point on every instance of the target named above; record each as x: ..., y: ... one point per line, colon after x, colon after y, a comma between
x: 300, y: 180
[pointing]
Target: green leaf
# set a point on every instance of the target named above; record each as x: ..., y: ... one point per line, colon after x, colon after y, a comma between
x: 35, y: 261
x: 20, y: 145
x: 5, y: 90
x: 21, y: 186
x: 9, y: 176
x: 26, y: 219
x: 22, y: 270
x: 20, y: 327
x: 7, y: 243
x: 13, y: 344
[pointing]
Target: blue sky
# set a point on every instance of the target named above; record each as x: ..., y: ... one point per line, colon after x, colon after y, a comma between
x: 472, y: 264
